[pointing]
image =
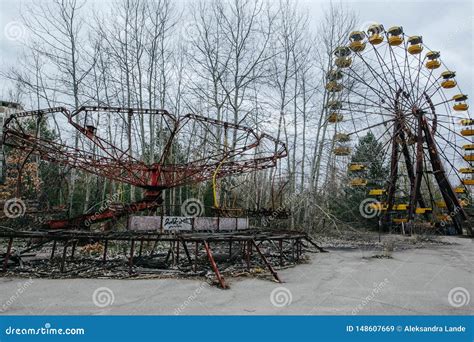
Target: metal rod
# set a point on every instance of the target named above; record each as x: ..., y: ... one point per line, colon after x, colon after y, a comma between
x: 141, y: 248
x: 274, y: 273
x: 214, y: 265
x: 74, y: 244
x: 186, y: 251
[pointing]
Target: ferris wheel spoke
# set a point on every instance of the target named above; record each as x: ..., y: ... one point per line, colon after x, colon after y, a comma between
x: 377, y: 76
x: 389, y: 70
x: 358, y: 78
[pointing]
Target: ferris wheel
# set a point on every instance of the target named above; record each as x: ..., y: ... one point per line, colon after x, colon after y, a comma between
x: 394, y: 86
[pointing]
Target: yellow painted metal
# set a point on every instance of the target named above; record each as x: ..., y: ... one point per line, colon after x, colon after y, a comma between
x: 469, y: 157
x: 467, y: 122
x: 395, y: 40
x: 422, y: 210
x: 460, y: 104
x: 333, y: 86
x: 468, y: 147
x: 343, y: 62
x: 342, y: 151
x: 378, y: 206
x: 441, y: 204
x: 400, y: 220
x: 460, y: 190
x: 358, y: 182
x: 357, y: 46
x: 354, y: 167
x: 342, y: 137
x: 376, y: 39
x: 335, y: 117
x: 400, y: 207
x: 433, y: 64
x: 467, y: 132
x: 448, y: 84
x: 415, y: 49
x: 377, y: 192
x: 467, y: 170
x: 468, y: 181
x: 461, y: 107
x: 395, y: 35
x: 460, y: 97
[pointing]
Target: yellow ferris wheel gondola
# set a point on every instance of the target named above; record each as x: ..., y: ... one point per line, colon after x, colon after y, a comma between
x: 342, y: 54
x: 355, y: 167
x: 342, y: 150
x: 448, y: 79
x: 359, y: 182
x: 415, y: 45
x: 375, y: 33
x: 433, y: 60
x: 421, y: 211
x: 342, y: 137
x: 357, y: 43
x: 335, y: 117
x: 467, y: 170
x: 395, y: 35
x: 334, y: 87
x: 377, y: 192
x: 467, y: 122
x: 469, y: 157
x: 460, y: 102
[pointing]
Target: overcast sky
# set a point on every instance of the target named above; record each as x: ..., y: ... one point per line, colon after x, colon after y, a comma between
x: 446, y: 26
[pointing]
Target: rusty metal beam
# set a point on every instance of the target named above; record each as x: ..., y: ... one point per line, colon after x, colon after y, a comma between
x: 214, y: 265
x: 269, y: 266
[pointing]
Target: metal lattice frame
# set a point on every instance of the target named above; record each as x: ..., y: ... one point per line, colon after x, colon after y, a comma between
x: 382, y: 83
x: 113, y: 143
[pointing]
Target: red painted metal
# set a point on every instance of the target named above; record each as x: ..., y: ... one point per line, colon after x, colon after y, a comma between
x: 214, y: 265
x: 202, y: 142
